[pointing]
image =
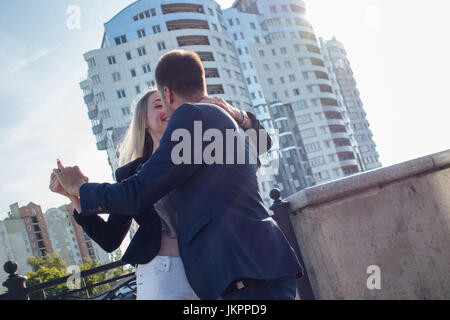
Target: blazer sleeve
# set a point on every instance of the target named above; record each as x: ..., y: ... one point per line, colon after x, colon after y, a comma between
x: 159, y: 175
x: 109, y: 234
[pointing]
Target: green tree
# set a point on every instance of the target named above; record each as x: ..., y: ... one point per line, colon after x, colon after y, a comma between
x: 49, y: 261
x: 45, y: 274
x: 53, y: 267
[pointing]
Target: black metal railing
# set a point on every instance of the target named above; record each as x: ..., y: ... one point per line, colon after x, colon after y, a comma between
x: 17, y: 289
x: 282, y: 213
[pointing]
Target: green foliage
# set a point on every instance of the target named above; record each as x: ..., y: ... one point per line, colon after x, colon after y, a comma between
x: 49, y: 261
x: 54, y: 267
x: 44, y: 274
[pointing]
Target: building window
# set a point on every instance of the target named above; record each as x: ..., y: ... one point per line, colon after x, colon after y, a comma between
x: 292, y: 77
x: 105, y: 114
x: 270, y: 81
x: 261, y: 53
x: 296, y: 92
x: 252, y: 25
x: 146, y: 68
x: 91, y: 62
x: 121, y: 94
x: 126, y: 111
x: 133, y: 73
x: 161, y: 45
x: 141, y: 33
x: 142, y: 51
x: 283, y: 50
x: 120, y: 40
x: 116, y: 76
x: 156, y: 29
x: 273, y: 9
x: 128, y: 55
x: 112, y: 60
x: 138, y: 89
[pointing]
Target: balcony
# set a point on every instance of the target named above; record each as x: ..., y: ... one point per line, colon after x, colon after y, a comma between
x: 97, y: 129
x: 89, y: 98
x: 308, y: 36
x: 93, y: 114
x: 182, y: 7
x: 328, y: 102
x: 395, y: 218
x: 321, y: 75
x: 206, y: 56
x: 215, y: 89
x: 325, y: 88
x: 193, y: 41
x: 187, y: 24
x: 211, y: 73
x: 102, y: 145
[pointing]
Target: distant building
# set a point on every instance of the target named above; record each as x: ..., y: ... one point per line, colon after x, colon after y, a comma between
x: 334, y: 52
x: 26, y: 232
x: 257, y: 54
x: 69, y: 239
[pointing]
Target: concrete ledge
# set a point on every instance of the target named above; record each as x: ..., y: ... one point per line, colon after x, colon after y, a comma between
x: 376, y: 178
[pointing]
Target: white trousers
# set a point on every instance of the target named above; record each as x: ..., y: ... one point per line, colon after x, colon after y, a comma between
x: 163, y: 278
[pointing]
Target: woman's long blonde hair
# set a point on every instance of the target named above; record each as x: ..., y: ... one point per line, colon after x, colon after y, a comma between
x: 137, y: 141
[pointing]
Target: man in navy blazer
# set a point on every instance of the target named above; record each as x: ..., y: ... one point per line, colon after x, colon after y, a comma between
x: 230, y: 246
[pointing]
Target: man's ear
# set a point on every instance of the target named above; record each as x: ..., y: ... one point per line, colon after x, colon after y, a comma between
x: 171, y: 96
x: 168, y: 95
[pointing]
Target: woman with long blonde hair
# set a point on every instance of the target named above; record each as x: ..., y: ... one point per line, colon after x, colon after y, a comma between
x: 154, y: 249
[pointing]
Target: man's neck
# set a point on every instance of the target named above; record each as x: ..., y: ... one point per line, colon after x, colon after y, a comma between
x: 194, y: 99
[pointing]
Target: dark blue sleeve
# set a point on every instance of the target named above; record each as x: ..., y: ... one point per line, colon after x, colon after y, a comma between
x: 158, y: 176
x: 107, y: 234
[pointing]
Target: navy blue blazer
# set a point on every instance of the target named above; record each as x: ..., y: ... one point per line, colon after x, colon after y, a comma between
x: 146, y: 243
x: 225, y: 233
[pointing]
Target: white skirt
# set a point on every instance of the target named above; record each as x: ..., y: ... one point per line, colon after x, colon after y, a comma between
x: 163, y: 278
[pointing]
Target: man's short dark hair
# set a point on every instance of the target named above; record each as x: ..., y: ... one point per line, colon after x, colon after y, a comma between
x: 182, y: 72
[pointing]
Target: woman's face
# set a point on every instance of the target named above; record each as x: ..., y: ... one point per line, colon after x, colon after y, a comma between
x: 157, y: 120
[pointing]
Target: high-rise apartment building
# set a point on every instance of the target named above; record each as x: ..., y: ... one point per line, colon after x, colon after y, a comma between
x: 26, y: 232
x: 133, y: 42
x: 291, y: 70
x: 262, y: 56
x: 23, y: 234
x: 334, y: 52
x: 69, y: 240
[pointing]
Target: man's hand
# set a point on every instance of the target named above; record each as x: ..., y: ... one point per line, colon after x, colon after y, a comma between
x: 56, y: 187
x: 71, y: 179
x: 232, y: 111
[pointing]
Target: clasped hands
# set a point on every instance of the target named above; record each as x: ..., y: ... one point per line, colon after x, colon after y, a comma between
x: 67, y: 181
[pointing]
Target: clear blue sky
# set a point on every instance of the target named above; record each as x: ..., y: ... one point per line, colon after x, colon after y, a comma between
x: 399, y: 51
